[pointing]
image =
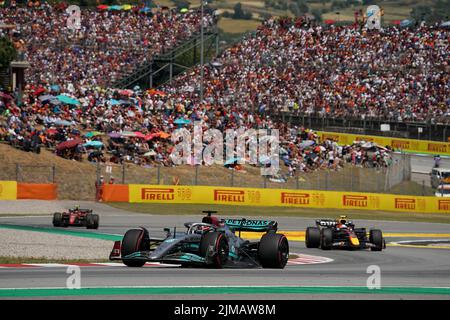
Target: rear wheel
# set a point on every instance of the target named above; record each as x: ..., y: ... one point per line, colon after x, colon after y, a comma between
x: 376, y: 238
x: 217, y: 243
x: 326, y: 239
x: 89, y: 221
x: 312, y: 237
x: 133, y: 241
x: 95, y: 221
x: 273, y: 250
x: 57, y: 219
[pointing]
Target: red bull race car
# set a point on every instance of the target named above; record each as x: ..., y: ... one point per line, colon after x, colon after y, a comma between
x: 76, y: 217
x: 341, y: 233
x: 213, y: 242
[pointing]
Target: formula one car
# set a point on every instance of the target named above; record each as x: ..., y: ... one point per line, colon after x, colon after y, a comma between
x: 210, y: 243
x: 342, y: 233
x: 76, y: 217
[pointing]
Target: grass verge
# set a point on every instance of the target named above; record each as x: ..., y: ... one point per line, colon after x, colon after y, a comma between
x: 224, y: 210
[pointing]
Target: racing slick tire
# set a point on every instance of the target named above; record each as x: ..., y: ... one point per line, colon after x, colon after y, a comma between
x: 57, y: 219
x: 326, y: 239
x: 219, y: 242
x: 376, y: 238
x: 273, y: 250
x: 312, y: 237
x: 92, y: 221
x: 133, y: 241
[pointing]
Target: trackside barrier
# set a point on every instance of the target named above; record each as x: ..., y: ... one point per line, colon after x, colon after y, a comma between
x: 39, y: 191
x: 409, y: 145
x: 11, y: 190
x: 8, y: 190
x: 115, y: 193
x: 285, y: 198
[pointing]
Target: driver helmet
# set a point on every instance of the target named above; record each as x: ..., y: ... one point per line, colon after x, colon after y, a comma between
x: 342, y: 220
x: 202, y: 229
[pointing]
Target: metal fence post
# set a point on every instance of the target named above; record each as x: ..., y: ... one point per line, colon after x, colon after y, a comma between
x: 326, y: 180
x: 351, y: 178
x: 232, y: 178
x: 264, y: 182
x: 158, y: 174
x: 17, y: 171
x: 196, y: 175
x: 123, y: 173
x: 297, y: 182
x: 53, y: 173
x: 98, y: 171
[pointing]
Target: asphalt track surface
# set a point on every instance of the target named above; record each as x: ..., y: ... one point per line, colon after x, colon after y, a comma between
x: 405, y: 272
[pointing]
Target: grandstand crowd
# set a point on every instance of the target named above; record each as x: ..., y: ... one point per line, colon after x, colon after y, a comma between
x: 285, y: 67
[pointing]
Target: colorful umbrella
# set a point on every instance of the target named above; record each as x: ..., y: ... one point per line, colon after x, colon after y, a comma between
x: 128, y: 134
x: 145, y: 9
x: 46, y: 97
x: 184, y: 10
x: 114, y: 135
x: 127, y: 7
x: 67, y: 100
x: 102, y: 7
x: 62, y: 123
x: 92, y: 134
x: 39, y: 91
x: 182, y: 121
x: 69, y: 144
x: 329, y: 21
x: 115, y: 7
x: 163, y: 135
x: 156, y: 92
x: 93, y: 144
x: 6, y: 96
x: 139, y: 135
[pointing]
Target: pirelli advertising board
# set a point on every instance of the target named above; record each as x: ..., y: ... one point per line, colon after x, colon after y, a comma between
x: 285, y: 198
x: 8, y: 190
x: 409, y: 145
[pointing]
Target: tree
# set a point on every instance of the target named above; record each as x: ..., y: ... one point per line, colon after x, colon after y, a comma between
x: 239, y: 13
x: 317, y: 15
x: 299, y: 8
x: 181, y: 4
x: 7, y: 52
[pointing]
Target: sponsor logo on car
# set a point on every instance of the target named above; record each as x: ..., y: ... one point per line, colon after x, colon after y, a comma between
x: 354, y: 201
x: 444, y: 205
x: 405, y: 203
x: 165, y: 194
x: 223, y: 195
x: 400, y: 144
x: 247, y: 223
x: 295, y: 198
x: 437, y: 147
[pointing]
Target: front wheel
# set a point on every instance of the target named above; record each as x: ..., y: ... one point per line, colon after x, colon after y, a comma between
x: 376, y: 238
x: 133, y: 241
x: 326, y: 239
x: 312, y: 237
x: 214, y: 248
x: 273, y: 250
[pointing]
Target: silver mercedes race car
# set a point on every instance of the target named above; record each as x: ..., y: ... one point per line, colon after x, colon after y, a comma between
x: 213, y: 243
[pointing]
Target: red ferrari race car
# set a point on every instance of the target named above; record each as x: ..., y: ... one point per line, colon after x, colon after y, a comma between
x: 76, y: 217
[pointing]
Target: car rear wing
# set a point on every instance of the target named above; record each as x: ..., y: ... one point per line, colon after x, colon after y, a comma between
x: 325, y: 223
x: 251, y: 225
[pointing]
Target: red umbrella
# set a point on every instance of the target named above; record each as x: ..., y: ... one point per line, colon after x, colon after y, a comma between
x: 39, y: 91
x: 140, y: 135
x: 51, y: 131
x: 329, y: 21
x: 396, y: 22
x: 69, y: 144
x: 102, y: 7
x: 151, y: 136
x: 6, y: 96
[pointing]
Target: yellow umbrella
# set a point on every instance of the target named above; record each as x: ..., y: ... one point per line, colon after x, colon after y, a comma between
x: 127, y: 7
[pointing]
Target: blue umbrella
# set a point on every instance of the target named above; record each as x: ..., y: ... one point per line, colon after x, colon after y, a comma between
x: 306, y: 143
x: 182, y: 121
x: 55, y: 87
x: 46, y: 97
x: 62, y: 123
x: 67, y: 100
x: 232, y: 161
x: 405, y: 23
x: 145, y: 9
x: 94, y: 144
